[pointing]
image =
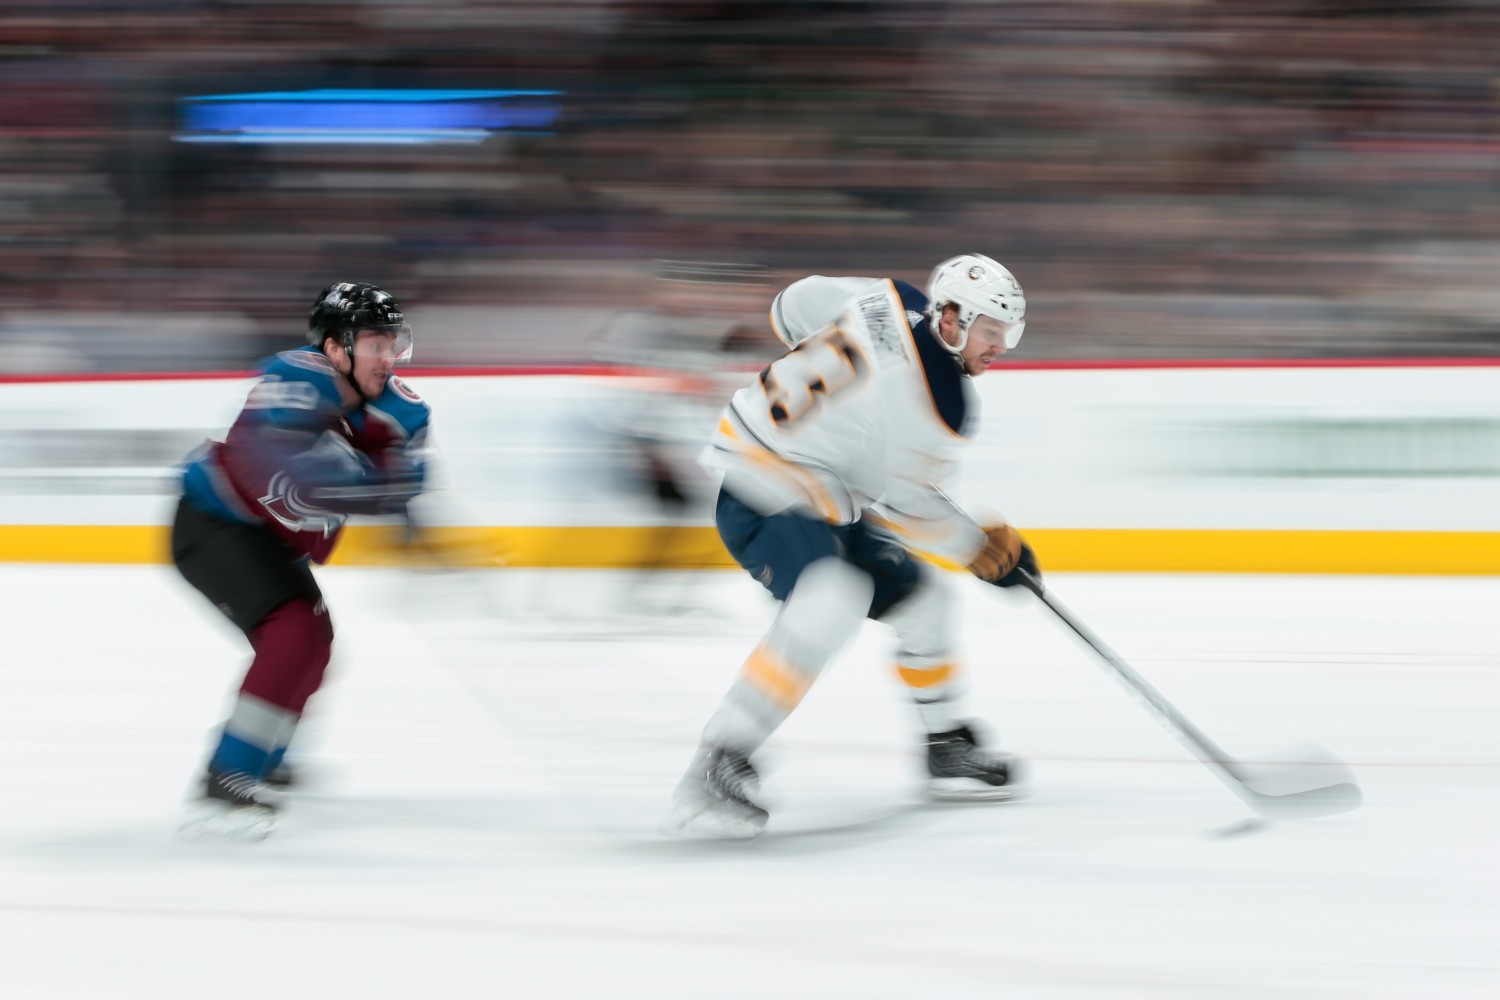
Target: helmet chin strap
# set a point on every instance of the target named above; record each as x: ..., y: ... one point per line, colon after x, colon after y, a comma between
x: 935, y: 320
x: 347, y: 343
x: 355, y: 385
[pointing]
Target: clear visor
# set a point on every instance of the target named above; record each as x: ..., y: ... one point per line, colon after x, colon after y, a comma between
x: 1013, y: 333
x: 997, y: 331
x: 384, y: 343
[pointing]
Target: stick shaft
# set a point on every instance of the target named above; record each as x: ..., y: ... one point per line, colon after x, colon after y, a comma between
x: 1333, y: 791
x: 1189, y: 735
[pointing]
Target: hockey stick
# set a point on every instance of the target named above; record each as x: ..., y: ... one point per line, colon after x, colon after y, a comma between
x: 1318, y: 784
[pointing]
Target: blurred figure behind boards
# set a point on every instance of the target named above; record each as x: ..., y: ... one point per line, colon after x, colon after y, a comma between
x: 702, y: 325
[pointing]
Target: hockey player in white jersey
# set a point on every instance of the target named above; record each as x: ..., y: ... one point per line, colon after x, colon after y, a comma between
x: 835, y: 462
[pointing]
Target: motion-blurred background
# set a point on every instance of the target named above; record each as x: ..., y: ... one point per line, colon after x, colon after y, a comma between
x: 1168, y: 178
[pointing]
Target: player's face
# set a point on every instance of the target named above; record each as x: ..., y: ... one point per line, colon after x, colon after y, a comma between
x: 986, y: 343
x: 375, y: 356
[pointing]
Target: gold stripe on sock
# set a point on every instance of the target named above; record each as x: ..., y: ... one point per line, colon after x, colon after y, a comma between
x: 775, y: 678
x: 926, y: 677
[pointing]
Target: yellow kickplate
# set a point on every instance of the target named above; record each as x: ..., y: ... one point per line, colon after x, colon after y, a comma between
x: 1089, y: 550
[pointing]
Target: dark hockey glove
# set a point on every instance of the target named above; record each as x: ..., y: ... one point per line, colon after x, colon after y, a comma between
x: 383, y: 490
x: 1025, y: 566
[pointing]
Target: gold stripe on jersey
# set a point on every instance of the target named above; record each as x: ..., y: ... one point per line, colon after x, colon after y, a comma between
x: 777, y: 679
x: 799, y: 478
x: 926, y: 677
x: 921, y: 543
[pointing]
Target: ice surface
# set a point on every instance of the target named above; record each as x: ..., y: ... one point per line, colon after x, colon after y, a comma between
x: 494, y: 751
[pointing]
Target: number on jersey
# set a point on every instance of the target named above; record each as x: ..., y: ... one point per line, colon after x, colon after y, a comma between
x: 821, y: 366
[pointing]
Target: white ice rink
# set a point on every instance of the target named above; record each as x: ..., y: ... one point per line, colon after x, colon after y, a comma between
x: 494, y: 751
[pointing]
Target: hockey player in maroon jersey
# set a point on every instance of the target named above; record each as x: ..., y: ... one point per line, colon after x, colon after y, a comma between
x: 327, y: 432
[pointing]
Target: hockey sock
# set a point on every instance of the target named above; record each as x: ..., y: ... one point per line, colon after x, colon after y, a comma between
x: 926, y: 626
x: 936, y: 692
x: 292, y: 647
x: 823, y: 610
x: 252, y: 735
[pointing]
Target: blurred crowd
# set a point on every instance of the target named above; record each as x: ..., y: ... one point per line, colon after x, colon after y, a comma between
x: 1168, y: 178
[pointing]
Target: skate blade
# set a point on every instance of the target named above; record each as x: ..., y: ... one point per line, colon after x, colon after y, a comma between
x: 221, y: 821
x: 970, y: 790
x: 698, y: 823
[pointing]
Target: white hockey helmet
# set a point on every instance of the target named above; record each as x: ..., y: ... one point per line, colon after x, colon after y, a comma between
x: 977, y: 286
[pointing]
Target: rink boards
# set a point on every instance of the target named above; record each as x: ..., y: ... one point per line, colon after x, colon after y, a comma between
x: 1380, y: 467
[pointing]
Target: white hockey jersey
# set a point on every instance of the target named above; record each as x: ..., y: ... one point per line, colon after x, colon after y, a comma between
x: 868, y: 410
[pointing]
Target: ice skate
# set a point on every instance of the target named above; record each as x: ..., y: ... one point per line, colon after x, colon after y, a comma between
x: 713, y: 799
x: 282, y: 777
x: 959, y: 770
x: 277, y: 785
x: 229, y: 807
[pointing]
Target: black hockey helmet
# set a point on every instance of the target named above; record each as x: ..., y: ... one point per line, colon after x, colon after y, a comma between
x: 346, y: 307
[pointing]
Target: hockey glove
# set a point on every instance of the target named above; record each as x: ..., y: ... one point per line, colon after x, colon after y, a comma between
x: 1025, y: 563
x: 378, y: 490
x: 1002, y: 550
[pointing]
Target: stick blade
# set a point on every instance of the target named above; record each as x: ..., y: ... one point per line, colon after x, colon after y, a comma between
x: 1302, y: 782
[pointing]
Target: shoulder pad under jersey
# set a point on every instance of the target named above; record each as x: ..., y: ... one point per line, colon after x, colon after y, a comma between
x: 804, y: 307
x: 294, y: 384
x: 305, y: 364
x: 400, y: 404
x: 882, y: 316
